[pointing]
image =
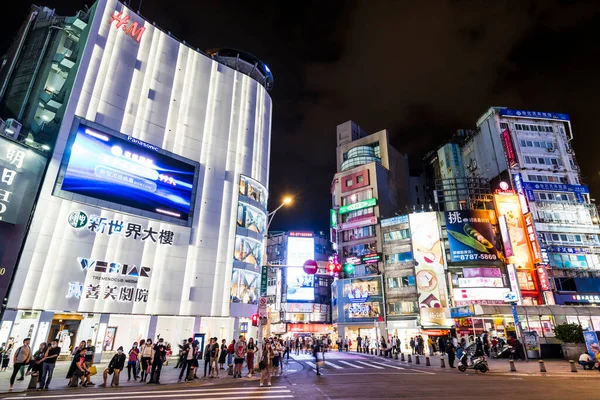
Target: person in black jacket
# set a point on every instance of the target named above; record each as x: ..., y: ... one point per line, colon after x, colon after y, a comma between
x: 158, y: 359
x: 116, y: 365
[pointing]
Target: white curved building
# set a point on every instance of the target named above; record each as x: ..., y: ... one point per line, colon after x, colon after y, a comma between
x: 138, y: 230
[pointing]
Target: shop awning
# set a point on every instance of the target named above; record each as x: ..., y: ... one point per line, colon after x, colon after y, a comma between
x: 491, y: 310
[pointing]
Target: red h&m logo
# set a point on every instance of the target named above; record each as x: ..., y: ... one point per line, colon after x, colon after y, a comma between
x: 132, y: 29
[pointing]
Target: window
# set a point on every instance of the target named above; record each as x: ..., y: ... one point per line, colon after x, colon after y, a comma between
x: 358, y: 196
x: 396, y: 235
x: 401, y: 282
x: 559, y: 260
x: 348, y: 182
x: 360, y: 179
x: 398, y: 257
x: 360, y: 249
x: 358, y: 213
x: 359, y: 233
x: 503, y: 125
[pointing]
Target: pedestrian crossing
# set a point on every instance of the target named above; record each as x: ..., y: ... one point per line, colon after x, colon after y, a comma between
x: 362, y: 366
x: 228, y: 393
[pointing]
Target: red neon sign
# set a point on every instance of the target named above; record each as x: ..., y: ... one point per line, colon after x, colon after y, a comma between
x: 122, y: 23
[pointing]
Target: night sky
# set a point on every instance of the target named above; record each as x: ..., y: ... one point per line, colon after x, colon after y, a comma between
x: 421, y: 69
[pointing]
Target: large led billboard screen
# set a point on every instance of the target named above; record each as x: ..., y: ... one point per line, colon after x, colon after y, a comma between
x: 125, y: 171
x: 300, y: 249
x: 299, y: 285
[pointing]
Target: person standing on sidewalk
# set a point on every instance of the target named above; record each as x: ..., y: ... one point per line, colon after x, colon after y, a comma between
x: 451, y: 350
x: 223, y: 355
x: 266, y: 364
x: 158, y: 358
x: 250, y: 349
x: 49, y: 361
x: 146, y: 354
x: 358, y: 344
x: 22, y: 357
x: 132, y: 361
x: 214, y: 357
x: 187, y: 355
x: 239, y: 357
x: 207, y: 358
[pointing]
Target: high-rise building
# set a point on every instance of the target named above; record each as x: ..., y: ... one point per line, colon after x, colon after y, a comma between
x: 152, y: 212
x: 371, y: 182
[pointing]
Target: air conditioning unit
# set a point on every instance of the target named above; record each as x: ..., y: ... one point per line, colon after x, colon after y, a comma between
x: 12, y: 128
x: 551, y: 149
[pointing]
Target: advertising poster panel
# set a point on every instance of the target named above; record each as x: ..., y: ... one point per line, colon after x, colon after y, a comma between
x: 299, y: 285
x: 358, y: 300
x: 429, y: 269
x: 508, y: 206
x: 299, y: 250
x: 591, y: 342
x: 471, y: 235
x: 21, y: 171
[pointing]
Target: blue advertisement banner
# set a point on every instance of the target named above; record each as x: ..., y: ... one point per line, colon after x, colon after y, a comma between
x: 579, y: 190
x: 401, y: 219
x: 534, y: 114
x: 462, y: 312
x: 591, y: 342
x: 471, y: 235
x: 128, y: 172
x: 573, y: 250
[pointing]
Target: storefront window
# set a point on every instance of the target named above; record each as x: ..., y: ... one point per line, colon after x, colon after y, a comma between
x: 396, y: 235
x: 359, y: 233
x: 359, y: 196
x: 525, y: 280
x: 360, y: 249
x: 398, y: 257
x: 558, y: 260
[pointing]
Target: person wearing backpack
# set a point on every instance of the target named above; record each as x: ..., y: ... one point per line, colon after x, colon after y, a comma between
x: 22, y: 357
x: 132, y: 362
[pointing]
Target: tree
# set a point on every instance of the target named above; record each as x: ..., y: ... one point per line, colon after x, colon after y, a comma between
x: 569, y: 333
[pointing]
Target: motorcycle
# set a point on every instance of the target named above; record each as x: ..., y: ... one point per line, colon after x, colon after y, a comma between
x: 477, y: 363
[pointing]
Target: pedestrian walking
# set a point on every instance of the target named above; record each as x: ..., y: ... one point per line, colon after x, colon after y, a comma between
x: 230, y: 351
x: 188, y: 357
x: 146, y: 354
x: 430, y: 345
x: 250, y: 349
x: 115, y: 366
x: 316, y: 350
x: 182, y: 354
x: 277, y: 350
x: 159, y: 356
x: 266, y: 364
x: 412, y: 345
x: 21, y: 358
x: 346, y: 343
x: 442, y: 345
x: 297, y: 347
x: 239, y: 357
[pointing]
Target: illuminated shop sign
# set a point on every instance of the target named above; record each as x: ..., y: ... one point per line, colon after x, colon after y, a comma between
x: 114, y: 268
x: 101, y: 164
x: 116, y: 227
x: 577, y: 298
x: 301, y: 234
x: 358, y: 206
x: 402, y: 219
x: 509, y: 149
x: 510, y: 207
x: 109, y: 292
x: 122, y: 23
x: 543, y: 277
x: 534, y: 114
x: 535, y: 246
x: 357, y: 224
x: 519, y: 187
x: 332, y: 218
x: 579, y: 190
x: 573, y: 250
x: 471, y: 235
x: 371, y: 258
x: 480, y: 282
x: 464, y: 297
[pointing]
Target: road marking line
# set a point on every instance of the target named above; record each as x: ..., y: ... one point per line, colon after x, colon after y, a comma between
x: 389, y: 365
x: 266, y: 390
x: 330, y: 364
x: 370, y: 365
x: 157, y: 395
x: 311, y: 364
x: 361, y: 373
x: 350, y: 364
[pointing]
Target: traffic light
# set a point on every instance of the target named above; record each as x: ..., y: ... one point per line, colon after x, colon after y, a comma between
x: 348, y: 269
x: 338, y: 268
x: 331, y: 267
x: 254, y: 319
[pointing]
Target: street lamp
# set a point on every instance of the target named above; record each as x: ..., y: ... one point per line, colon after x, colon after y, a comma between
x: 286, y: 200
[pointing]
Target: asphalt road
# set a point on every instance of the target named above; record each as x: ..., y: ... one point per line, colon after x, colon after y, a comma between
x: 353, y: 376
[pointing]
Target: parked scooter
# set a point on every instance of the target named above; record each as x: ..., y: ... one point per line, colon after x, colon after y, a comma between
x: 478, y: 363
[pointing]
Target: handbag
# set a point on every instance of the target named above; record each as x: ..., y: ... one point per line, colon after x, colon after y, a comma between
x: 93, y: 370
x: 261, y: 365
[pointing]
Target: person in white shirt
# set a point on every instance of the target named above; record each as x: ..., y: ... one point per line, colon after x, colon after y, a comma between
x: 586, y: 361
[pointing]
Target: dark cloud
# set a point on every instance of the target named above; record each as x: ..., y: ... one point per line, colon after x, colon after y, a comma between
x: 421, y: 69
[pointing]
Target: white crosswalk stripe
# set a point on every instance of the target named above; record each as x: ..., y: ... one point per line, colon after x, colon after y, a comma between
x: 330, y: 364
x: 311, y: 364
x: 389, y: 365
x: 370, y: 365
x: 350, y: 364
x: 245, y: 393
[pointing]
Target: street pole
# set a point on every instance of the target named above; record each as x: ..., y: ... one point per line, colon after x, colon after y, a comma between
x: 518, y: 329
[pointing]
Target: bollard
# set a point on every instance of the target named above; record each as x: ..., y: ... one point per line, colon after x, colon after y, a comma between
x: 371, y: 351
x: 417, y: 361
x: 427, y: 363
x: 512, y: 365
x: 402, y: 357
x: 542, y: 366
x: 442, y: 363
x: 573, y: 368
x: 395, y: 356
x: 409, y: 358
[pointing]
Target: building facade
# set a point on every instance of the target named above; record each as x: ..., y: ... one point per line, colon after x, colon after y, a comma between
x: 152, y: 211
x: 372, y: 182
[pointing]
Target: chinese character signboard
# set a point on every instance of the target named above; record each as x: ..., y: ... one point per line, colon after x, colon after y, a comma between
x: 581, y: 191
x: 429, y: 269
x: 536, y: 254
x: 471, y: 235
x: 534, y: 114
x: 509, y: 207
x: 21, y: 171
x: 357, y: 206
x: 521, y: 193
x: 509, y: 149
